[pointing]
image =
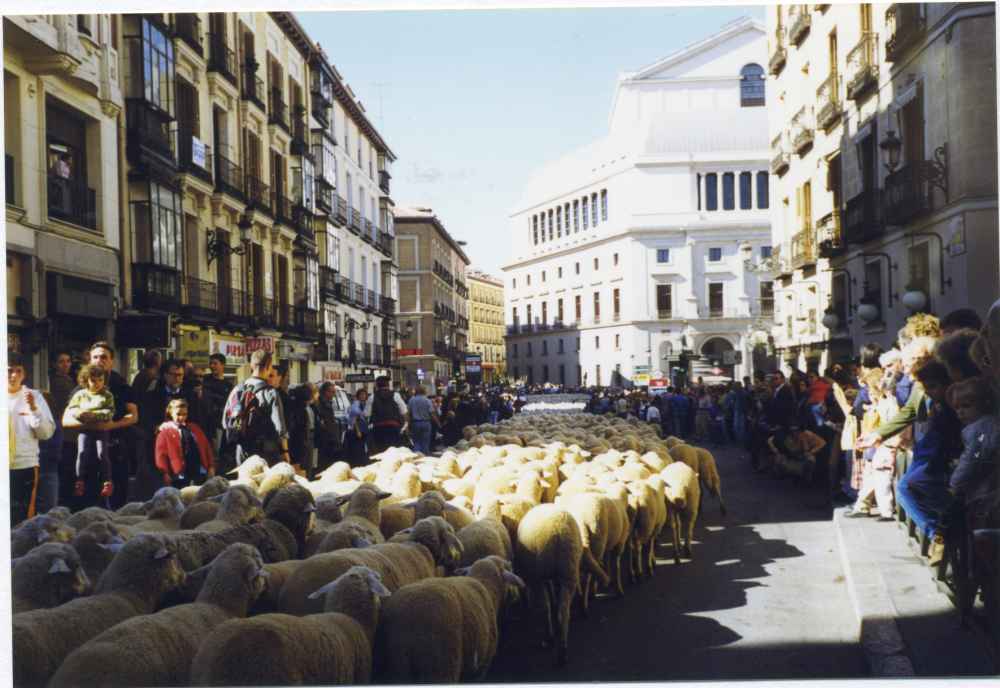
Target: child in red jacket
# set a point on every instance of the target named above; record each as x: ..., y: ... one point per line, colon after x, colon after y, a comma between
x: 183, y: 452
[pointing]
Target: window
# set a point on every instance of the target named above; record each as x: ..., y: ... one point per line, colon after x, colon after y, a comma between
x: 545, y: 347
x: 562, y: 374
x: 559, y: 310
x: 618, y: 342
x: 515, y: 352
x: 543, y: 275
x: 528, y: 279
x: 577, y: 268
x: 711, y: 191
x: 534, y: 229
x: 698, y: 189
x: 578, y: 304
x: 746, y: 190
x: 663, y: 255
x: 543, y: 227
x: 616, y: 259
x: 514, y: 314
x: 559, y: 272
x: 664, y: 301
x: 551, y: 226
x: 69, y: 198
x: 604, y: 205
x: 593, y: 209
x: 714, y: 254
x: 597, y: 306
x: 597, y: 342
x: 577, y: 343
x: 312, y: 283
x: 83, y: 24
x: 513, y: 283
x: 617, y: 303
x: 597, y: 375
x: 559, y: 222
x: 752, y: 86
x: 529, y: 313
x: 715, y: 305
x: 154, y: 68
x: 545, y: 312
x: 586, y: 215
x: 529, y: 353
x: 728, y: 191
x: 765, y: 251
x: 873, y: 286
x: 767, y: 298
x: 156, y: 224
x: 762, y: 190
x: 576, y: 216
x: 561, y: 347
x: 596, y: 264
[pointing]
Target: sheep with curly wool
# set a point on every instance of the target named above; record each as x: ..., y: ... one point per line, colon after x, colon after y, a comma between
x: 683, y: 495
x: 142, y: 573
x: 37, y: 531
x: 97, y: 545
x: 344, y: 536
x: 463, y: 611
x: 647, y: 500
x: 130, y: 510
x: 331, y: 647
x: 161, y: 646
x: 548, y: 552
x: 239, y: 505
x: 427, y: 550
x: 47, y: 576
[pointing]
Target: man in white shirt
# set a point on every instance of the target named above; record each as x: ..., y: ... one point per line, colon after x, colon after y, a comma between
x: 653, y: 415
x: 31, y: 421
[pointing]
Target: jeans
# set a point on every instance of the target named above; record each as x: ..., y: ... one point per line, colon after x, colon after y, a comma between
x: 817, y: 414
x: 420, y: 430
x: 48, y: 490
x: 23, y: 486
x: 923, y: 495
x: 739, y: 427
x: 92, y: 454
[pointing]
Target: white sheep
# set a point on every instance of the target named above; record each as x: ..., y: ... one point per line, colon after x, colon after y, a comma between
x: 683, y: 495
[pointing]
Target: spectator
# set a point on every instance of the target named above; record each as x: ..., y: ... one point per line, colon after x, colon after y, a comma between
x: 60, y: 383
x: 680, y: 407
x: 974, y: 403
x: 267, y: 435
x: 963, y: 318
x: 160, y: 392
x: 953, y: 351
x: 49, y: 458
x: 329, y: 438
x: 126, y: 415
x: 794, y: 452
x: 422, y: 420
x: 217, y: 389
x: 183, y: 452
x: 356, y: 439
x: 817, y: 389
x: 703, y: 418
x: 30, y: 421
x: 302, y: 428
x: 653, y: 415
x: 145, y: 378
x: 387, y: 413
x: 880, y: 463
x: 93, y: 402
x: 781, y: 412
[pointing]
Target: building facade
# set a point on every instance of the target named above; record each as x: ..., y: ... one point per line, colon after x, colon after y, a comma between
x: 63, y: 103
x: 646, y: 253
x: 883, y: 135
x: 249, y: 203
x: 433, y: 299
x: 486, y: 324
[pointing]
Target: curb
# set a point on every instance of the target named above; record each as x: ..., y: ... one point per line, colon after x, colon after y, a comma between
x: 878, y: 633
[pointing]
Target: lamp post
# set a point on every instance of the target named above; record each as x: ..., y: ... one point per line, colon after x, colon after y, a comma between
x: 892, y: 146
x: 218, y: 246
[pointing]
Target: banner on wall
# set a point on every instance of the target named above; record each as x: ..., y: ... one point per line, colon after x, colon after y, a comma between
x: 195, y: 346
x: 233, y: 348
x: 332, y: 372
x: 259, y: 344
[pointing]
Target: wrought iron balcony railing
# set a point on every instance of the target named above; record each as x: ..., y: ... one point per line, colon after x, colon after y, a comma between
x: 803, y: 248
x: 201, y: 299
x: 221, y: 58
x: 861, y: 218
x: 829, y: 235
x: 277, y: 110
x: 907, y: 193
x: 803, y: 130
x: 780, y: 157
x: 905, y: 25
x: 71, y: 201
x: 228, y: 176
x: 828, y: 102
x: 862, y: 67
x: 187, y: 27
x: 778, y: 53
x: 253, y: 85
x: 799, y: 21
x: 156, y: 287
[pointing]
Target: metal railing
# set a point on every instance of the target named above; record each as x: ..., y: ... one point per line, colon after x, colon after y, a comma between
x: 387, y: 305
x: 803, y: 129
x: 781, y: 157
x: 228, y: 176
x: 828, y: 101
x: 300, y: 131
x: 258, y: 194
x: 307, y: 321
x: 234, y: 306
x: 385, y: 243
x: 201, y: 299
x: 253, y: 85
x: 905, y: 25
x: 327, y: 281
x: 265, y: 312
x: 907, y: 194
x: 355, y: 219
x: 283, y: 209
x: 779, y: 55
x: 829, y: 235
x: 71, y: 201
x: 862, y: 66
x: 187, y: 27
x: 803, y: 247
x: 277, y: 110
x: 861, y: 218
x: 156, y: 287
x: 340, y: 212
x: 799, y: 21
x: 221, y: 58
x: 383, y: 181
x: 194, y: 156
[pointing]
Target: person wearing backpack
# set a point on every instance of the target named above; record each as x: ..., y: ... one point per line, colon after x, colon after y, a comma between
x: 254, y: 419
x: 387, y: 412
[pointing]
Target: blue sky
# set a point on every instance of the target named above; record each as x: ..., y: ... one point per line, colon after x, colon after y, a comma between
x: 472, y: 101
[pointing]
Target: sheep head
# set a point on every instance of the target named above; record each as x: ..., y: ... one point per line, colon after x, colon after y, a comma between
x: 437, y: 535
x: 240, y: 504
x: 365, y: 502
x: 54, y: 568
x: 147, y: 566
x: 294, y: 507
x: 236, y: 579
x: 216, y: 485
x: 166, y: 503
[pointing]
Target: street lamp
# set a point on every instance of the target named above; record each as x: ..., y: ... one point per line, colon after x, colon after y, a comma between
x: 218, y: 246
x: 351, y: 324
x: 830, y: 320
x: 892, y: 146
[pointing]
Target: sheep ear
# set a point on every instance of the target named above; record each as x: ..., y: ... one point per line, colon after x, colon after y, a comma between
x: 375, y: 582
x: 113, y: 547
x: 217, y: 498
x: 464, y: 571
x: 309, y: 508
x: 360, y: 542
x: 342, y: 499
x: 514, y: 579
x: 234, y: 471
x: 383, y: 494
x: 59, y: 566
x: 161, y: 553
x: 322, y: 591
x: 43, y: 536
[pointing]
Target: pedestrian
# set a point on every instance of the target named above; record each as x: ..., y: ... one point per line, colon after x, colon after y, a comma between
x: 422, y: 420
x: 30, y: 421
x: 302, y: 428
x: 93, y: 402
x: 703, y: 418
x: 255, y: 418
x: 356, y: 439
x: 653, y: 415
x: 217, y: 389
x: 60, y: 383
x: 329, y: 432
x: 121, y: 444
x: 49, y: 458
x: 386, y: 411
x: 145, y: 378
x: 183, y: 452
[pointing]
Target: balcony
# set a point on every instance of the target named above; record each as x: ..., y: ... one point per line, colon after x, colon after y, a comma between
x: 441, y: 349
x: 372, y: 304
x: 285, y: 317
x: 781, y: 260
x: 371, y: 231
x: 265, y: 313
x: 829, y: 236
x: 307, y: 322
x: 721, y: 312
x: 253, y: 85
x: 324, y: 196
x: 234, y: 307
x: 781, y: 157
x: 664, y: 313
x: 193, y: 156
x: 383, y: 181
x: 461, y: 322
x: 366, y: 231
x: 861, y: 218
x: 327, y: 281
x: 778, y: 55
x: 258, y: 194
x: 799, y: 22
x: 461, y: 289
x: 150, y: 139
x: 803, y: 248
x: 277, y: 110
x: 443, y: 273
x: 228, y: 177
x: 763, y: 307
x: 905, y: 24
x: 300, y: 131
x: 387, y: 306
x: 385, y: 243
x: 821, y: 7
x: 221, y: 58
x: 907, y: 194
x: 283, y: 209
x: 155, y: 287
x: 187, y: 27
x: 803, y: 130
x: 340, y: 212
x: 355, y: 220
x: 201, y: 300
x: 862, y: 67
x: 828, y: 102
x: 70, y: 201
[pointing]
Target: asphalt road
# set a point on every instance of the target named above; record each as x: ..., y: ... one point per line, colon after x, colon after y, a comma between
x: 764, y: 597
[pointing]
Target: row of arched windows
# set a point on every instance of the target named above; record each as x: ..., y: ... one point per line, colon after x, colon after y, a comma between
x: 708, y: 191
x: 566, y: 219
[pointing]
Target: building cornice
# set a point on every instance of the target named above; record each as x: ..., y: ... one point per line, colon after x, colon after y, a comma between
x: 434, y: 222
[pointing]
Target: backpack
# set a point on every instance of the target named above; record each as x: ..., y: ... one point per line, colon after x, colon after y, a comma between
x: 384, y: 409
x: 243, y: 418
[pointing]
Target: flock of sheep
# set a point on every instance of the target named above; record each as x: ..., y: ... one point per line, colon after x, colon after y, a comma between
x: 271, y: 579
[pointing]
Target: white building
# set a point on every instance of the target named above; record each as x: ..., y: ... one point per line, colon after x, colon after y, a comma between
x: 648, y: 242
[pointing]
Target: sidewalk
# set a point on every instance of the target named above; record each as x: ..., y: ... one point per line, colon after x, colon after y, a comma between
x: 907, y: 626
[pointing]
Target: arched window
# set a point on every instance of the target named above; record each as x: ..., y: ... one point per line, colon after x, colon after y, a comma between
x: 752, y: 86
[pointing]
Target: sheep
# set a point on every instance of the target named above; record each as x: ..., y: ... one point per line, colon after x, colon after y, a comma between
x: 47, y: 576
x: 97, y: 545
x: 198, y: 513
x: 709, y: 476
x: 463, y: 612
x: 685, y: 453
x: 165, y: 643
x: 332, y: 647
x: 61, y: 513
x: 131, y: 509
x: 415, y: 554
x: 364, y: 510
x: 650, y: 515
x: 683, y: 495
x: 343, y: 536
x: 548, y: 549
x: 328, y: 514
x: 37, y: 531
x: 141, y: 574
x: 250, y: 469
x: 163, y: 512
x: 239, y: 505
x: 485, y: 537
x: 591, y: 512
